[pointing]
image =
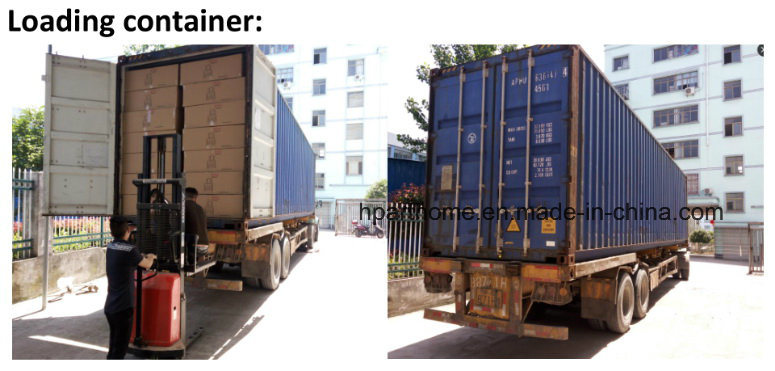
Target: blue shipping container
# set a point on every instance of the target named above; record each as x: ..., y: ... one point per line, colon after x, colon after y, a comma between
x: 295, y: 170
x: 403, y: 172
x: 586, y: 150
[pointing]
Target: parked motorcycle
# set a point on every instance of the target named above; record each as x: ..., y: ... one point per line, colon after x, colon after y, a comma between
x: 362, y: 230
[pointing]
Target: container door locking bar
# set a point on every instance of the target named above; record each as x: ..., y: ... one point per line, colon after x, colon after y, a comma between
x: 528, y: 122
x: 457, y: 172
x: 481, y: 160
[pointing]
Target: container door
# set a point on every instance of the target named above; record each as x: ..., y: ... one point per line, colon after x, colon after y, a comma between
x: 539, y: 92
x: 264, y: 136
x: 79, y: 150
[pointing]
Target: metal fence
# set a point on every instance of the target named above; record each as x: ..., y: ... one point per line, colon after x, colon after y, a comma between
x: 68, y: 232
x: 23, y: 185
x: 349, y: 210
x: 404, y: 241
x: 756, y: 255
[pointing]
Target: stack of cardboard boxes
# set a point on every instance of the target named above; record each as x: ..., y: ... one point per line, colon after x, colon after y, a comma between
x: 151, y: 107
x: 214, y: 133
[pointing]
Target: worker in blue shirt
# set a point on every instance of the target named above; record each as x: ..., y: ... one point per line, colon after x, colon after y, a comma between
x: 121, y: 262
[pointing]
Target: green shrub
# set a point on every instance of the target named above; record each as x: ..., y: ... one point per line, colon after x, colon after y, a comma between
x: 701, y: 236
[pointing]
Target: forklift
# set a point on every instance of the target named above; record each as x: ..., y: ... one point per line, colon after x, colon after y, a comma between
x: 159, y: 328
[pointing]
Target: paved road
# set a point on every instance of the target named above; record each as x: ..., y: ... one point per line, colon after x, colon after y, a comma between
x: 719, y: 313
x: 302, y: 313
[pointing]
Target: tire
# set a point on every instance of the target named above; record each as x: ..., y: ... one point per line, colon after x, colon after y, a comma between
x: 218, y: 267
x: 380, y: 234
x: 358, y: 233
x: 311, y: 231
x: 642, y: 293
x: 684, y: 274
x: 597, y: 324
x: 286, y: 268
x: 620, y: 318
x: 683, y: 265
x: 270, y: 278
x: 316, y: 229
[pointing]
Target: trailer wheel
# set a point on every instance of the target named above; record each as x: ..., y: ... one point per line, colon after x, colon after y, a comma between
x: 621, y: 317
x: 286, y: 248
x: 683, y: 265
x: 311, y: 237
x: 270, y: 278
x: 642, y: 291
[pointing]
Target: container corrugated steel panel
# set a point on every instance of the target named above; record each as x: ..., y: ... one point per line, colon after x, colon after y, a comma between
x: 404, y: 172
x: 586, y: 149
x: 295, y: 165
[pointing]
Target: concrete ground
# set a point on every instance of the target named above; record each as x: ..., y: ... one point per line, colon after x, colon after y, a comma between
x: 302, y: 313
x: 719, y: 313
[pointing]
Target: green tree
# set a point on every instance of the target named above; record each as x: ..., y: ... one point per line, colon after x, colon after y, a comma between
x: 378, y: 190
x: 444, y: 55
x: 133, y: 49
x: 27, y: 141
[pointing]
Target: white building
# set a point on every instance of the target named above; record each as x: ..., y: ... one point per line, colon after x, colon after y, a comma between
x: 705, y: 104
x: 339, y: 95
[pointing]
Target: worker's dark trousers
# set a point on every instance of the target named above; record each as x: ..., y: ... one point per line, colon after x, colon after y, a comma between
x: 120, y: 330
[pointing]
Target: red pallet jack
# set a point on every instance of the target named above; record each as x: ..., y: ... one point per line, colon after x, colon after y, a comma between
x: 159, y: 329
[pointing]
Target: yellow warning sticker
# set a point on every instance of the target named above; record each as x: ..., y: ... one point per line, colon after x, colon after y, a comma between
x: 513, y: 226
x: 549, y: 226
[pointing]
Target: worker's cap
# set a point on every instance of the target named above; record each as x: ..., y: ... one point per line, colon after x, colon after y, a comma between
x: 120, y: 219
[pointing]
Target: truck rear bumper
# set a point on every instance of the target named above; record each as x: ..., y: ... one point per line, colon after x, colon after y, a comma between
x: 519, y: 329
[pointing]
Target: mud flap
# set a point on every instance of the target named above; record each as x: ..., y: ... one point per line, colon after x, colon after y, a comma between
x: 597, y: 297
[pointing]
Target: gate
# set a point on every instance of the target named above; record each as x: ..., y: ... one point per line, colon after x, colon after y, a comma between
x: 23, y: 187
x: 361, y: 210
x: 756, y: 255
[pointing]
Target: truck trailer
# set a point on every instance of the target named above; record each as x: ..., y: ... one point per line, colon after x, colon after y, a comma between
x: 241, y: 147
x: 540, y: 173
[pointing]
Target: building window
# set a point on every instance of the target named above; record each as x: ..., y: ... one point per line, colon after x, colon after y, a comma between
x: 693, y: 184
x: 355, y: 99
x: 735, y: 202
x: 676, y: 116
x: 319, y: 118
x: 733, y: 165
x: 682, y: 149
x: 733, y: 89
x: 319, y: 87
x: 354, y: 165
x: 320, y: 181
x: 733, y: 126
x: 675, y: 82
x: 284, y: 75
x: 354, y: 131
x: 732, y: 54
x: 319, y: 149
x: 621, y: 63
x: 674, y: 51
x: 319, y: 56
x: 275, y: 49
x: 355, y: 67
x: 289, y: 100
x: 623, y: 90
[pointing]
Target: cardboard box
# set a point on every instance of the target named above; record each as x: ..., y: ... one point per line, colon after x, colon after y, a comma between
x: 219, y: 68
x: 213, y: 160
x: 229, y: 206
x: 133, y: 142
x: 132, y: 163
x: 129, y: 204
x: 228, y: 113
x: 151, y: 78
x: 143, y: 100
x: 214, y: 92
x: 214, y: 137
x: 151, y: 120
x: 216, y: 183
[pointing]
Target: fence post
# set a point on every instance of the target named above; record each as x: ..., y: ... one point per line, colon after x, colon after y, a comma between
x: 39, y: 227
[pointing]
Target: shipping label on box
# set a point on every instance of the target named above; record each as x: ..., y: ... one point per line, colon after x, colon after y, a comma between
x: 214, y: 92
x: 215, y: 137
x: 143, y: 100
x: 214, y: 160
x: 229, y: 206
x: 151, y: 78
x: 216, y: 183
x: 219, y: 68
x: 228, y: 113
x: 133, y: 142
x: 151, y: 120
